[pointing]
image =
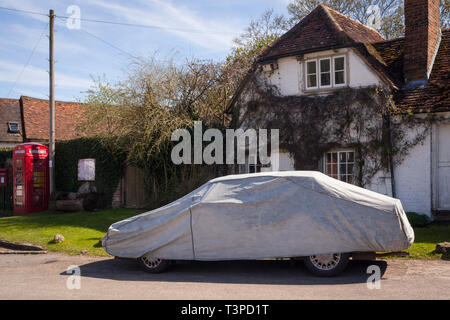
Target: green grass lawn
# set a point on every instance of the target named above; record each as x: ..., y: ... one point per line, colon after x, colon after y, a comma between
x: 426, y: 239
x: 83, y: 230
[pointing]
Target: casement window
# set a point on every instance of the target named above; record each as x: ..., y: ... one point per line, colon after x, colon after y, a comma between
x: 311, y: 74
x: 325, y: 73
x: 339, y: 70
x: 340, y: 165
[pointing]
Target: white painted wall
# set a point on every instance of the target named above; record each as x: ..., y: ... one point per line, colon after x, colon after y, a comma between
x: 281, y: 161
x: 360, y: 73
x: 413, y: 179
x: 289, y: 78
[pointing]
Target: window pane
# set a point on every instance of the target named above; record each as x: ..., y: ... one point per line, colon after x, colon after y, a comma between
x: 339, y: 63
x: 325, y: 72
x: 339, y: 77
x: 334, y: 157
x: 350, y: 169
x: 311, y: 66
x: 351, y: 157
x: 342, y: 160
x: 325, y: 79
x: 334, y: 168
x: 325, y: 65
x: 312, y: 81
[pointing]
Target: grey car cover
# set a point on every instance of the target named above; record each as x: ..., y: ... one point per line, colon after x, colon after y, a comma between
x: 265, y: 215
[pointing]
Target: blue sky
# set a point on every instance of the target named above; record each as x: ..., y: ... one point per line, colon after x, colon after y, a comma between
x: 80, y: 56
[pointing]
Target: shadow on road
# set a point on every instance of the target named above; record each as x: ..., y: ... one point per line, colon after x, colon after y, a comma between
x: 248, y: 272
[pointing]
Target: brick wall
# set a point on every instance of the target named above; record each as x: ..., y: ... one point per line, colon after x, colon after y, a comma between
x: 422, y: 32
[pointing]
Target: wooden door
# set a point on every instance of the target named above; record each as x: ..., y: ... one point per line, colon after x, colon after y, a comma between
x: 443, y: 167
x: 134, y: 188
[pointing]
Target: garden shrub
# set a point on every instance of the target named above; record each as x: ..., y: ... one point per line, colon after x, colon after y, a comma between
x: 417, y: 219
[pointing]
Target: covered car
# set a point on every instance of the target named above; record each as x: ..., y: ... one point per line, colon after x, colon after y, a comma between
x: 265, y: 215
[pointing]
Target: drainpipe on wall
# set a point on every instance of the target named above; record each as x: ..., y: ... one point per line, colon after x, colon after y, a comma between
x: 388, y: 137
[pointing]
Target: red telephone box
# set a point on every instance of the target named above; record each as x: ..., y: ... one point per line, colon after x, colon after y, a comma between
x: 3, y: 177
x: 30, y: 178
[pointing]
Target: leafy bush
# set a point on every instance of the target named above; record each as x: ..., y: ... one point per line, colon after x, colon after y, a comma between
x: 109, y: 166
x: 417, y: 219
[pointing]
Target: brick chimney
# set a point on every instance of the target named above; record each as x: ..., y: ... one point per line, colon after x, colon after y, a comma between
x: 422, y: 39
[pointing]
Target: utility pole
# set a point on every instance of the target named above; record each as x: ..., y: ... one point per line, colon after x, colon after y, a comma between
x: 52, y: 105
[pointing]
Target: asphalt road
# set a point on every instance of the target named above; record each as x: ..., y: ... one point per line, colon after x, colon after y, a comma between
x: 44, y: 276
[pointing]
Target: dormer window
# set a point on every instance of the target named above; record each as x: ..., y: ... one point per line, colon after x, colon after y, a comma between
x: 13, y: 127
x: 324, y: 73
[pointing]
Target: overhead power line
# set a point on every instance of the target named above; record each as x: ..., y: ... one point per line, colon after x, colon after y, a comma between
x: 28, y: 60
x: 145, y: 26
x: 24, y: 11
x: 108, y: 43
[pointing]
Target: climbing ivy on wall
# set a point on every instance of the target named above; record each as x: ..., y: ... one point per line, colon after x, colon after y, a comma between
x: 109, y: 165
x: 364, y: 119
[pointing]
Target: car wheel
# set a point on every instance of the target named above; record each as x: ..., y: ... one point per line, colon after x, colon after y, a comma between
x: 153, y: 265
x: 327, y: 265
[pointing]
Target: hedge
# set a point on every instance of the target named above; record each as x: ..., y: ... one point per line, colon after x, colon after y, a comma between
x: 6, y: 162
x: 109, y: 167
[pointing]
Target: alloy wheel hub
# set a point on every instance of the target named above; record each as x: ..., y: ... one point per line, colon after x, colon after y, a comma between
x: 325, y: 261
x: 151, y: 262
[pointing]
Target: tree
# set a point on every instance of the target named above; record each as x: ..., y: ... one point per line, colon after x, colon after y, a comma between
x: 391, y: 12
x: 445, y: 13
x: 259, y: 34
x: 139, y: 115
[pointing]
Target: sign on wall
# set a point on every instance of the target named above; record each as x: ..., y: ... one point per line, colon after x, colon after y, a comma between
x: 86, y: 169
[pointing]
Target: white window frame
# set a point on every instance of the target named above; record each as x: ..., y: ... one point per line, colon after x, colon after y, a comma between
x: 338, y: 152
x: 344, y: 70
x: 332, y: 72
x: 307, y: 74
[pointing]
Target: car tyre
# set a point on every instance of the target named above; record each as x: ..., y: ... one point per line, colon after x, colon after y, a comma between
x: 153, y: 265
x: 327, y: 265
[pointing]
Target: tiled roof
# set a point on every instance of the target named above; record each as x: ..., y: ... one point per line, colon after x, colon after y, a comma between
x: 68, y: 116
x: 391, y: 53
x: 323, y: 28
x: 435, y: 96
x: 10, y: 112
